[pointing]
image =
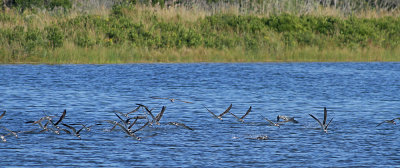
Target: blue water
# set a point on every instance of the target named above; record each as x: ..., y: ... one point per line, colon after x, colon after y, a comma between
x: 357, y: 95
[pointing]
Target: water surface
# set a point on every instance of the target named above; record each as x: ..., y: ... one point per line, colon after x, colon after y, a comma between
x: 358, y: 96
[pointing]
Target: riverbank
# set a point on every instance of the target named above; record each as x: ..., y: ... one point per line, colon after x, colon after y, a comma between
x: 142, y: 34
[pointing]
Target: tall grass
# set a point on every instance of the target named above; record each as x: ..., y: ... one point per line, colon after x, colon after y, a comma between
x: 220, y: 32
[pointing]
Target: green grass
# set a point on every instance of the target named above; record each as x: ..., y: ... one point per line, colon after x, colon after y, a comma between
x: 141, y: 34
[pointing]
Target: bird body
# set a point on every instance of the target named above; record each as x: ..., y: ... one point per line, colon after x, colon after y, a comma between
x: 286, y: 119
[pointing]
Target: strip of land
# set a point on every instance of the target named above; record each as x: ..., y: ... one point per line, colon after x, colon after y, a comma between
x: 136, y: 33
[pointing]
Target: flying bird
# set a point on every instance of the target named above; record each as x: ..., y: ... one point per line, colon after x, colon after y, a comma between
x: 171, y: 99
x: 392, y: 121
x: 286, y: 119
x: 324, y: 125
x: 219, y: 116
x: 180, y: 125
x: 277, y: 124
x: 241, y: 118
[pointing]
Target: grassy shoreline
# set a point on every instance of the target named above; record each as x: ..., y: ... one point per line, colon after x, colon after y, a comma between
x: 143, y: 34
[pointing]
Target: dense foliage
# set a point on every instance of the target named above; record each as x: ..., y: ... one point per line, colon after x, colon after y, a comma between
x: 123, y: 28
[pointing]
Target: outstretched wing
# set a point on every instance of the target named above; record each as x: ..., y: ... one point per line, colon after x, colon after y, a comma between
x: 121, y: 119
x: 235, y: 116
x: 326, y: 128
x: 159, y: 115
x: 62, y: 117
x: 2, y: 115
x: 153, y: 97
x: 248, y: 111
x: 210, y: 111
x: 380, y: 123
x: 122, y: 127
x: 134, y: 110
x: 151, y: 114
x: 226, y: 111
x: 325, y: 116
x: 70, y: 127
x: 147, y: 123
x: 272, y: 123
x: 322, y: 126
x: 184, y: 101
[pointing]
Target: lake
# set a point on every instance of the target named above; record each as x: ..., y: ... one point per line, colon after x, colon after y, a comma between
x: 358, y: 96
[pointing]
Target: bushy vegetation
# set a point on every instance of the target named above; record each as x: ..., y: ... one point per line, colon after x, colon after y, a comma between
x: 138, y: 31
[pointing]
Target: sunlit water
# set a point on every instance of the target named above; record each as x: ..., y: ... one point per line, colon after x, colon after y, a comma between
x: 358, y: 96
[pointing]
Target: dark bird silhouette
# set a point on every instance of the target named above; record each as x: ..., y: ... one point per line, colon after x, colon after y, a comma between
x: 61, y: 117
x: 277, y: 124
x: 2, y: 115
x: 241, y: 118
x: 11, y: 132
x: 74, y: 132
x: 261, y: 137
x: 171, y: 99
x: 159, y: 115
x: 219, y: 116
x: 180, y: 125
x: 392, y: 121
x: 286, y: 119
x: 324, y: 125
x: 147, y: 112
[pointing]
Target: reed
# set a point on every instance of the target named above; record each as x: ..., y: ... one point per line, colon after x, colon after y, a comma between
x: 144, y: 34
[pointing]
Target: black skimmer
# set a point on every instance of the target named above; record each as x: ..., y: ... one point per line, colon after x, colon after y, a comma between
x: 171, y: 99
x: 241, y: 118
x: 392, y: 121
x: 11, y: 132
x: 219, y: 116
x: 180, y: 125
x: 324, y: 125
x: 277, y: 124
x: 286, y: 119
x: 74, y: 132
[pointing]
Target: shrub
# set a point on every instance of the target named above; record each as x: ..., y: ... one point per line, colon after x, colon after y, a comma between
x: 55, y: 36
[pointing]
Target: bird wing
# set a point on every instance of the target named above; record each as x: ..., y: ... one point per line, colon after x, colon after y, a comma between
x: 248, y: 111
x: 133, y: 123
x: 380, y: 123
x: 184, y: 126
x: 72, y: 128
x: 66, y: 131
x: 210, y: 112
x: 272, y: 123
x: 317, y: 120
x: 151, y: 114
x: 325, y: 116
x: 159, y: 115
x: 235, y: 116
x: 80, y: 129
x: 62, y: 117
x: 121, y: 119
x: 147, y: 123
x: 226, y: 111
x: 134, y: 110
x: 184, y: 101
x: 153, y: 97
x: 326, y: 127
x: 122, y: 127
x: 2, y: 115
